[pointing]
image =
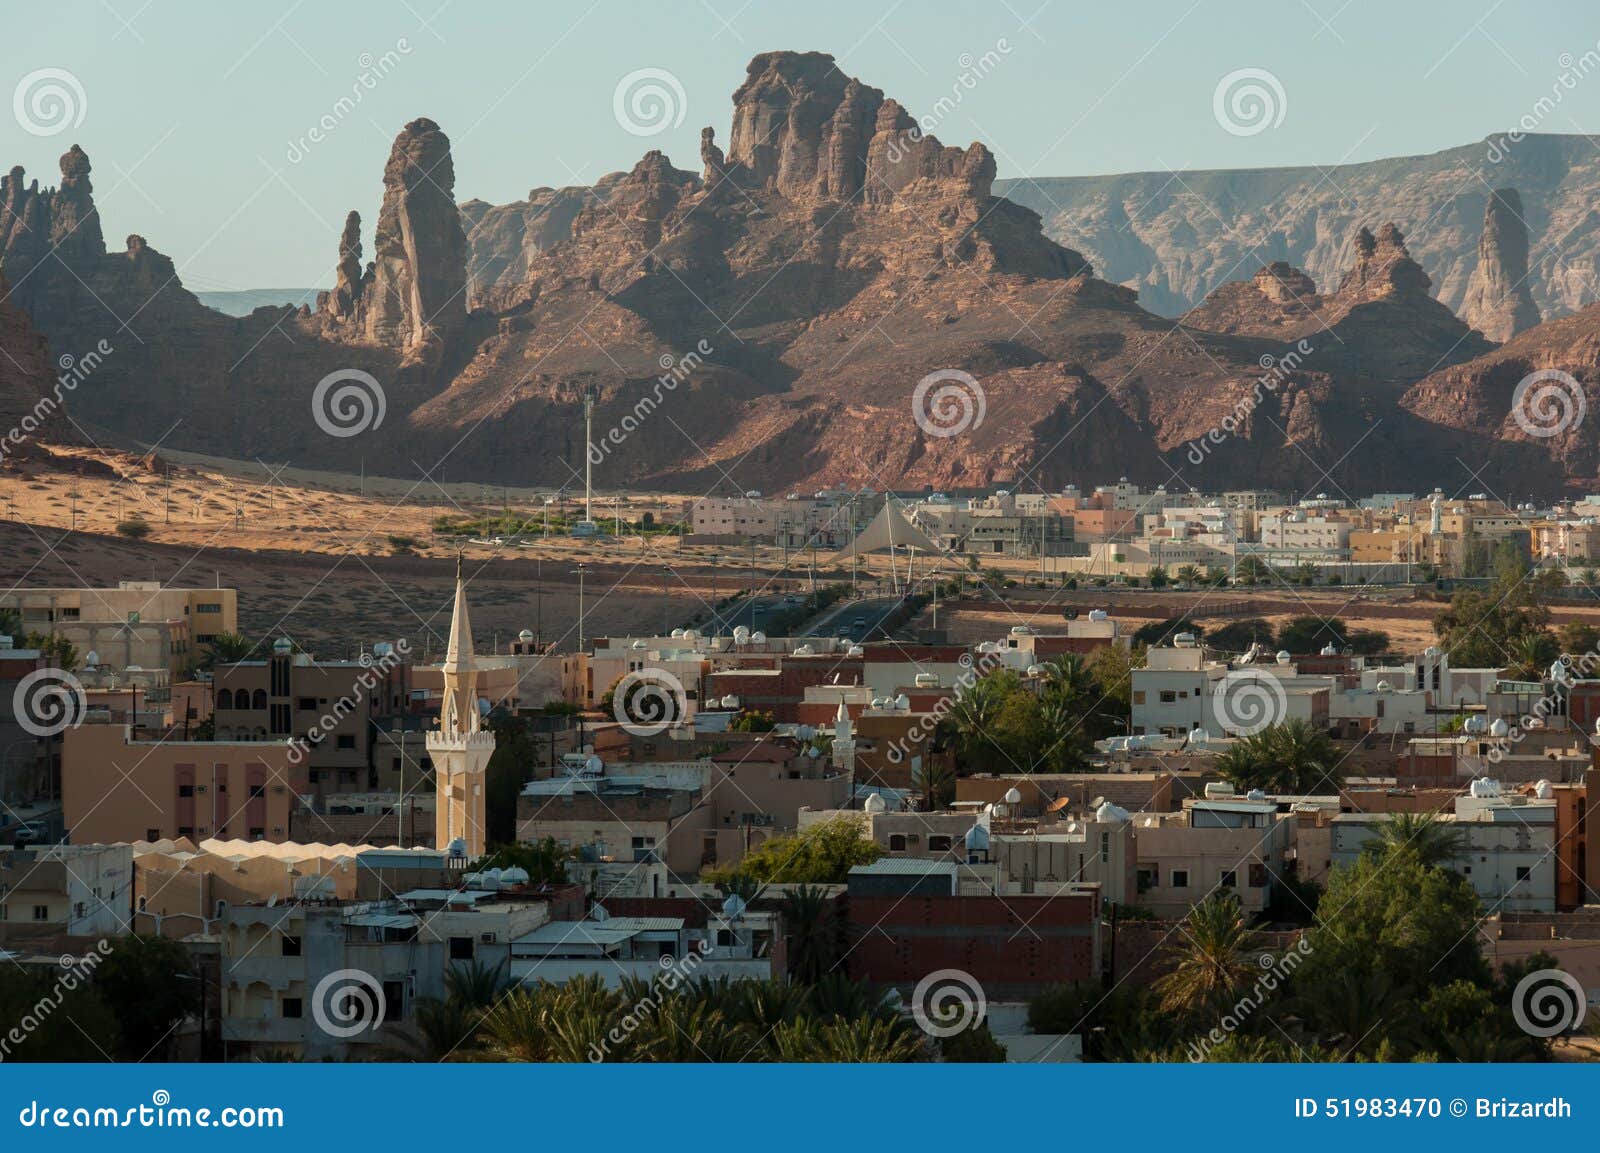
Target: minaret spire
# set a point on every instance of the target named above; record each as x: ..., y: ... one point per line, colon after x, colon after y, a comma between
x: 461, y: 748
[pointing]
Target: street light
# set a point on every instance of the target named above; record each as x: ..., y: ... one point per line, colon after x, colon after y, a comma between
x: 580, y: 570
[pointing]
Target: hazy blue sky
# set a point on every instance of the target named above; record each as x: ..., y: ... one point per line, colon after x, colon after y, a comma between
x: 190, y: 108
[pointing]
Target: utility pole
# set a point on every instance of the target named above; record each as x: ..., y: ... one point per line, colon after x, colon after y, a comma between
x: 581, y: 570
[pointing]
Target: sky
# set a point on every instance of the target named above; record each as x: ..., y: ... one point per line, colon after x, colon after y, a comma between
x: 198, y: 117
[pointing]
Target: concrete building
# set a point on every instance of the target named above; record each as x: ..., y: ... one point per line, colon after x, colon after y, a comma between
x: 1233, y: 844
x: 65, y: 890
x: 116, y: 787
x: 139, y: 623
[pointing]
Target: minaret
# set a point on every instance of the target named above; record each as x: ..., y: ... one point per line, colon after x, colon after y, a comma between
x: 461, y: 747
x: 844, y: 741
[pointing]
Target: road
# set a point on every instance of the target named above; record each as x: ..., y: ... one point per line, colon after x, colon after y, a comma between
x: 869, y: 610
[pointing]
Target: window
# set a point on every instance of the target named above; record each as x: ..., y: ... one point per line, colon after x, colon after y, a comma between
x: 461, y: 948
x: 185, y: 830
x: 1180, y: 878
x: 1149, y: 878
x: 257, y: 791
x: 306, y: 704
x: 41, y: 912
x: 346, y: 741
x: 897, y: 843
x: 1523, y: 872
x: 152, y: 834
x: 291, y: 1007
x: 1105, y: 848
x: 1168, y: 696
x: 225, y: 699
x: 939, y: 844
x: 1230, y: 879
x: 394, y: 1000
x: 203, y: 608
x: 185, y: 790
x: 1138, y: 696
x: 257, y: 832
x: 1258, y: 875
x: 291, y: 946
x: 725, y: 938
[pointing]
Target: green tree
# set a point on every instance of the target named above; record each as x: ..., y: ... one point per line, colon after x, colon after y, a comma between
x: 1422, y: 837
x: 1159, y: 578
x: 510, y: 767
x: 1484, y: 628
x: 1295, y: 758
x: 227, y: 649
x: 544, y: 861
x: 67, y: 1024
x: 151, y: 982
x: 1237, y: 636
x: 1208, y: 964
x: 822, y: 854
x: 134, y: 528
x: 57, y: 651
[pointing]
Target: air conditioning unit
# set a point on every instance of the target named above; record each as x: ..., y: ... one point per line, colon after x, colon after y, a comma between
x: 486, y: 938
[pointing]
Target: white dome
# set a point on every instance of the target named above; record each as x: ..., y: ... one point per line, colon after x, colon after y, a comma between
x: 1385, y: 687
x: 525, y: 635
x: 1107, y: 812
x: 1474, y: 724
x: 1544, y: 790
x: 759, y: 637
x: 1283, y: 656
x: 1499, y: 728
x: 678, y: 634
x: 874, y: 804
x: 1098, y: 614
x: 1013, y: 797
x: 902, y: 702
x: 513, y: 876
x: 458, y: 847
x: 1330, y: 650
x: 977, y: 838
x: 92, y: 660
x: 1036, y: 670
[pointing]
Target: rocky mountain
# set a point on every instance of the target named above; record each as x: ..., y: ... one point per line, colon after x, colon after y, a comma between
x: 833, y: 297
x: 1177, y: 237
x: 1499, y: 302
x: 32, y: 400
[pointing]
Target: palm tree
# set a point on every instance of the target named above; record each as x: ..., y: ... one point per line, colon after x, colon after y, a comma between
x: 475, y: 986
x: 1435, y: 843
x: 853, y: 1041
x: 1189, y: 574
x: 1357, y: 1011
x: 438, y: 1031
x: 1209, y: 965
x: 935, y: 780
x: 1304, y: 757
x: 812, y: 933
x: 227, y: 649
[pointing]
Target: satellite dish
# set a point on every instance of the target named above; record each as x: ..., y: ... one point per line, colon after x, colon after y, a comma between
x: 733, y: 908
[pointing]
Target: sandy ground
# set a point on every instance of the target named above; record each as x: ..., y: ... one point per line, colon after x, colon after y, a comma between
x: 319, y: 564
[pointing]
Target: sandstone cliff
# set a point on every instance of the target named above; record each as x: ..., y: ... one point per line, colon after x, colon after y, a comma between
x: 1499, y: 303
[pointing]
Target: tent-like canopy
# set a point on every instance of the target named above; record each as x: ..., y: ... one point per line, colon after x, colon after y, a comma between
x: 890, y: 529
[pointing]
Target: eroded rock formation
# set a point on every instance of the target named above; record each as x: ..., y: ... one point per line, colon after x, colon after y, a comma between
x: 1499, y: 303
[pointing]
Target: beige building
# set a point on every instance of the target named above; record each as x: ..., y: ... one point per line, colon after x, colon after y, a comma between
x: 143, y: 624
x: 115, y: 788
